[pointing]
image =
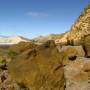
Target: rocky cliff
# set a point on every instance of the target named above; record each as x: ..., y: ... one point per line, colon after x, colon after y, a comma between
x: 79, y: 29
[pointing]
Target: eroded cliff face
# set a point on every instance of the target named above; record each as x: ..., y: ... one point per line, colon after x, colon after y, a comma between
x: 79, y: 29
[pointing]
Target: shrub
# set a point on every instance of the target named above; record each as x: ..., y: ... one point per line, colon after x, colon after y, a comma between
x: 23, y: 86
x: 11, y: 53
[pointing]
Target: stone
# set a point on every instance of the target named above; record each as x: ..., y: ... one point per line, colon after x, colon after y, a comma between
x: 77, y: 74
x: 73, y: 50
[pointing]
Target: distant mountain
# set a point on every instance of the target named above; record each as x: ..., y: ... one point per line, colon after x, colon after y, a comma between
x: 12, y: 39
x: 42, y: 39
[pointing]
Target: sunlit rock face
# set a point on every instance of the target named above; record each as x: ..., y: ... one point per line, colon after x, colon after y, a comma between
x: 72, y: 50
x: 77, y: 74
x: 79, y: 29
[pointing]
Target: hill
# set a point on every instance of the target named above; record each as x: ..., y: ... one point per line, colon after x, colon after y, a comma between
x: 12, y: 40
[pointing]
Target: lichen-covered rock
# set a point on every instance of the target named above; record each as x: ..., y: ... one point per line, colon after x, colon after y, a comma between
x: 77, y: 74
x: 70, y: 53
x: 73, y: 50
x: 39, y: 68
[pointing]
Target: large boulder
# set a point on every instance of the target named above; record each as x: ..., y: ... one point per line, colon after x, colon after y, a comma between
x: 73, y: 50
x: 70, y: 53
x: 77, y: 74
x: 39, y: 68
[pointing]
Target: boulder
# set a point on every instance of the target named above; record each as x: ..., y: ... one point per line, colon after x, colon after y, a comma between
x: 39, y: 68
x: 70, y: 53
x: 72, y: 50
x: 77, y: 74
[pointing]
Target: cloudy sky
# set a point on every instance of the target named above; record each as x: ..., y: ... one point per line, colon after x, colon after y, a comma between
x: 30, y: 18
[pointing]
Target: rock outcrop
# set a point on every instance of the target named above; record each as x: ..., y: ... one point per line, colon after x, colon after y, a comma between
x: 72, y: 50
x: 39, y: 68
x: 77, y: 74
x: 79, y: 29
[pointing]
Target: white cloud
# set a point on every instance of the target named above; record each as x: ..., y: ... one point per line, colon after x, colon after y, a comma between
x: 37, y: 14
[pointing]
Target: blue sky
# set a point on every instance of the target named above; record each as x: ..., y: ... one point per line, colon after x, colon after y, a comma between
x: 30, y: 18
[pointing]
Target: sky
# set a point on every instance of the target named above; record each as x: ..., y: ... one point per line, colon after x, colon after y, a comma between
x: 31, y: 18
